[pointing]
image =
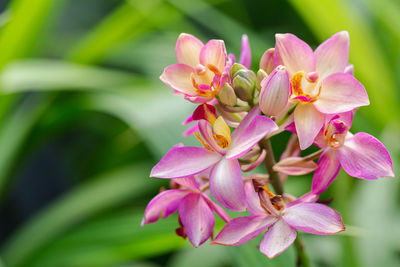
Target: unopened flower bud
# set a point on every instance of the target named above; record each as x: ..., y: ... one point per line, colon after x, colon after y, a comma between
x: 261, y: 74
x: 235, y: 68
x: 295, y: 166
x: 275, y: 91
x: 227, y: 95
x: 267, y: 62
x: 243, y: 83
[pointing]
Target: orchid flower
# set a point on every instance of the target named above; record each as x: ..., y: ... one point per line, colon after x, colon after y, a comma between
x: 195, y: 209
x: 361, y: 155
x: 320, y: 85
x: 270, y: 211
x: 200, y: 69
x: 220, y: 154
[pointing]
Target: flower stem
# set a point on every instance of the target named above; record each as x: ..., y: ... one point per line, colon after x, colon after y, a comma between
x: 269, y: 162
x: 302, y: 258
x: 276, y: 182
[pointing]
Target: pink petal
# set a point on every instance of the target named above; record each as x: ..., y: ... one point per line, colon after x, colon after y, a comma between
x: 314, y: 218
x: 177, y: 76
x: 340, y: 93
x: 364, y: 156
x: 214, y: 53
x: 293, y: 53
x: 188, y: 182
x: 278, y: 238
x: 267, y: 61
x: 197, y: 218
x: 243, y: 229
x: 333, y: 54
x: 328, y: 169
x: 275, y: 92
x: 188, y: 49
x: 226, y: 185
x: 295, y: 166
x: 245, y: 52
x: 252, y: 199
x: 256, y: 130
x: 184, y: 161
x: 164, y: 204
x: 215, y: 207
x: 244, y: 124
x: 308, y: 121
x: 192, y: 129
x: 349, y: 69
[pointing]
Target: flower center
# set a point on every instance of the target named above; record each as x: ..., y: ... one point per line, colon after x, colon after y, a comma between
x: 205, y: 80
x: 305, y: 88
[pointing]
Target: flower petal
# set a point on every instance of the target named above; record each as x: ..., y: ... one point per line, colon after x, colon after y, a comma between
x: 215, y: 207
x: 226, y: 185
x: 278, y: 238
x: 244, y: 124
x: 243, y: 229
x: 197, y: 218
x: 332, y: 55
x: 364, y: 156
x: 177, y: 76
x: 256, y: 130
x: 245, y: 52
x: 188, y: 49
x: 164, y: 204
x: 314, y: 218
x: 184, y: 161
x: 328, y: 169
x: 341, y: 92
x: 267, y: 61
x: 293, y: 53
x: 206, y: 132
x: 308, y: 121
x: 214, y: 53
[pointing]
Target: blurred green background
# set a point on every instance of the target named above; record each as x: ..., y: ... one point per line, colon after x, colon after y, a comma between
x: 84, y: 117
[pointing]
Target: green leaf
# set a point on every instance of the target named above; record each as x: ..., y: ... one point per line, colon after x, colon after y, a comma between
x: 112, y: 239
x: 81, y: 203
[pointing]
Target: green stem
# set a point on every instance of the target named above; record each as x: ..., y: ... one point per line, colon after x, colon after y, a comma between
x: 302, y: 258
x: 276, y: 182
x: 269, y: 162
x: 287, y: 114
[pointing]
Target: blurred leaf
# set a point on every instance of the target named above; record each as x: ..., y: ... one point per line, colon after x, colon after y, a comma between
x: 112, y: 239
x: 86, y: 200
x: 205, y: 255
x: 130, y: 19
x: 41, y: 74
x: 330, y: 16
x: 23, y: 29
x: 15, y: 129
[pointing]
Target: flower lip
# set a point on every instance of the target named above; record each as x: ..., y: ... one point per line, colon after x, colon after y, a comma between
x: 303, y: 87
x: 335, y: 132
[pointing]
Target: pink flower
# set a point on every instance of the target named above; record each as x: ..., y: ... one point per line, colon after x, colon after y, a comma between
x: 220, y: 154
x: 245, y: 52
x: 201, y: 69
x: 195, y: 209
x: 319, y: 83
x: 281, y: 219
x: 361, y: 155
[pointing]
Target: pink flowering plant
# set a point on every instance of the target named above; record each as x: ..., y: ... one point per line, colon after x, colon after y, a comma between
x: 312, y: 94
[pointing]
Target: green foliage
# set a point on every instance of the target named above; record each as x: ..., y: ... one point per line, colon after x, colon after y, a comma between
x: 62, y: 60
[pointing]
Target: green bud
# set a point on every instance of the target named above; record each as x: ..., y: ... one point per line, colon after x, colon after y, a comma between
x: 244, y: 83
x: 261, y: 74
x: 235, y: 68
x: 227, y: 96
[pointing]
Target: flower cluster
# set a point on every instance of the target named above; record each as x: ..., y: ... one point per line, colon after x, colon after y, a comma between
x: 310, y: 93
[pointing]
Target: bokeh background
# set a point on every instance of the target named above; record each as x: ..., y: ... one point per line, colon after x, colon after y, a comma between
x: 84, y: 117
